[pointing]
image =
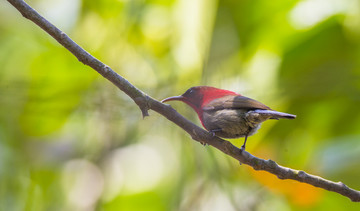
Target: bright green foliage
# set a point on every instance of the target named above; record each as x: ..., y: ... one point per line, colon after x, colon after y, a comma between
x: 70, y: 140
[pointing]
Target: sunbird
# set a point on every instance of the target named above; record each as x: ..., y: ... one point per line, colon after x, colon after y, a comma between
x: 228, y: 114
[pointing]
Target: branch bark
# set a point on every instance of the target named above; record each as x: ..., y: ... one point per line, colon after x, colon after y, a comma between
x: 146, y: 103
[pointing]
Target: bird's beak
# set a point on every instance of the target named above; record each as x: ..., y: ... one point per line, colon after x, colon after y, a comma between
x: 179, y: 98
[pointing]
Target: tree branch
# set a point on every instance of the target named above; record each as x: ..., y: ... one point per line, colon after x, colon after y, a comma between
x: 145, y: 103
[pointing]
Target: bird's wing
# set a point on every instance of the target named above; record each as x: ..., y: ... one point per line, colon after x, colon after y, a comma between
x: 234, y: 102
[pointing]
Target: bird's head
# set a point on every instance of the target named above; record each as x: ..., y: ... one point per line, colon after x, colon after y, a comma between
x: 198, y: 96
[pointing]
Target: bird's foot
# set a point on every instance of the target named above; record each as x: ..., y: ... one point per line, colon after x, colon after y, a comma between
x: 242, y: 148
x: 203, y: 143
x: 214, y: 131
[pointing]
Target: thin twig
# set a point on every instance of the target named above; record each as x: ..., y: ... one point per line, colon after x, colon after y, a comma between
x: 145, y: 103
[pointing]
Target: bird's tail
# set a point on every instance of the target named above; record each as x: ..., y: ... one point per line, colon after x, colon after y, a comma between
x: 275, y: 114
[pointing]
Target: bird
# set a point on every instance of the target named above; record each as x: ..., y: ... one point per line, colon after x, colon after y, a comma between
x: 227, y: 114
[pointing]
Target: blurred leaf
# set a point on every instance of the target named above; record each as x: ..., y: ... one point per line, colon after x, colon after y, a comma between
x: 144, y: 201
x: 56, y: 85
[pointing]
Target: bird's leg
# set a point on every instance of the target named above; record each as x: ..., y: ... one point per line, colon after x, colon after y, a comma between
x: 213, y: 131
x: 243, y: 146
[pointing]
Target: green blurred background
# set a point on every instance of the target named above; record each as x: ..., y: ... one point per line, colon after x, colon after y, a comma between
x: 70, y: 140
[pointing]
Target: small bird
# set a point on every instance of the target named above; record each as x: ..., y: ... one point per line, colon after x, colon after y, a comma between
x: 227, y: 114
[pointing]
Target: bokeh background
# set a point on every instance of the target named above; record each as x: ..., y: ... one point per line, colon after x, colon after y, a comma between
x: 70, y: 140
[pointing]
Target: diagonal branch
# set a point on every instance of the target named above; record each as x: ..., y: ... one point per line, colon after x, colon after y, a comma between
x: 146, y: 103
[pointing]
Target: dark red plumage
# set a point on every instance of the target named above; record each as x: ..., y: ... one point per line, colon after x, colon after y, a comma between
x: 227, y: 114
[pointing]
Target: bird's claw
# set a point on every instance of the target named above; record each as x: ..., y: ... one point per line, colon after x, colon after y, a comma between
x: 242, y: 148
x: 213, y: 131
x: 203, y: 143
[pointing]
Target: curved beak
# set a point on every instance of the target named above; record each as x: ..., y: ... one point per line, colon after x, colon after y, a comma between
x: 179, y: 98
